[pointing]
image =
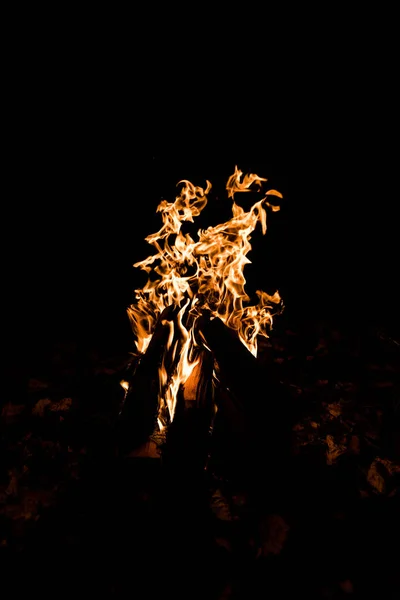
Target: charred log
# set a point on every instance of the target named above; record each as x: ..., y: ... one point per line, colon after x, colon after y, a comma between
x: 252, y: 427
x: 137, y: 418
x: 188, y: 435
x: 250, y: 387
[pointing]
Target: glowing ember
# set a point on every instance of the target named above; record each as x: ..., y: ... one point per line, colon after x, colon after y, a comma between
x: 197, y: 277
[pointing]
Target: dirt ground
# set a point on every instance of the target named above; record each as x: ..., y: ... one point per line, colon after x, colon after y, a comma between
x: 79, y: 517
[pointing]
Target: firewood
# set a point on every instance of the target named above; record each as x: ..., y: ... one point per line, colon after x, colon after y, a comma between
x: 137, y: 418
x: 239, y: 370
x: 252, y: 427
x: 188, y: 435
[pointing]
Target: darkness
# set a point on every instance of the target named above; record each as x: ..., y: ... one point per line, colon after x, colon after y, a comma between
x: 97, y: 141
x: 92, y: 181
x: 92, y: 153
x: 100, y: 133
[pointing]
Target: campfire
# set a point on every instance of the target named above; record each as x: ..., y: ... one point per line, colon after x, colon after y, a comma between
x: 196, y: 329
x: 237, y: 453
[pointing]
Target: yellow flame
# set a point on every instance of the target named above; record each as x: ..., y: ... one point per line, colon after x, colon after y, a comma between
x: 197, y: 276
x: 235, y: 185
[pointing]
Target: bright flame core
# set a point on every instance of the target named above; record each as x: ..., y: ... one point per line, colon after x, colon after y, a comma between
x: 197, y: 277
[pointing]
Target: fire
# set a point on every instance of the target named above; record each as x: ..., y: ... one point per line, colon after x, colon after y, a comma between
x: 197, y: 277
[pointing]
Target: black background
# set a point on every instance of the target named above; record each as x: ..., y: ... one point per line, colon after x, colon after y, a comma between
x: 100, y: 133
x: 95, y: 146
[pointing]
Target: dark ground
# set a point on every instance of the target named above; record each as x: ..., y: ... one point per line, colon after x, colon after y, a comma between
x: 323, y: 522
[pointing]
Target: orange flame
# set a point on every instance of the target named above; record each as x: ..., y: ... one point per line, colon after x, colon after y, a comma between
x: 197, y: 276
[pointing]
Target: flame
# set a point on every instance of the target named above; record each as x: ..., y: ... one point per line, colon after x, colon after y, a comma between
x: 124, y: 384
x: 200, y: 276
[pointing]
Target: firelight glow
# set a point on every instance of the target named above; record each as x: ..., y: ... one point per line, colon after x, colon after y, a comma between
x: 200, y: 276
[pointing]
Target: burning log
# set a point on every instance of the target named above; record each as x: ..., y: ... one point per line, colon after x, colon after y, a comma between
x: 137, y: 418
x: 188, y: 435
x: 253, y: 423
x: 253, y: 390
x: 238, y: 368
x: 137, y: 423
